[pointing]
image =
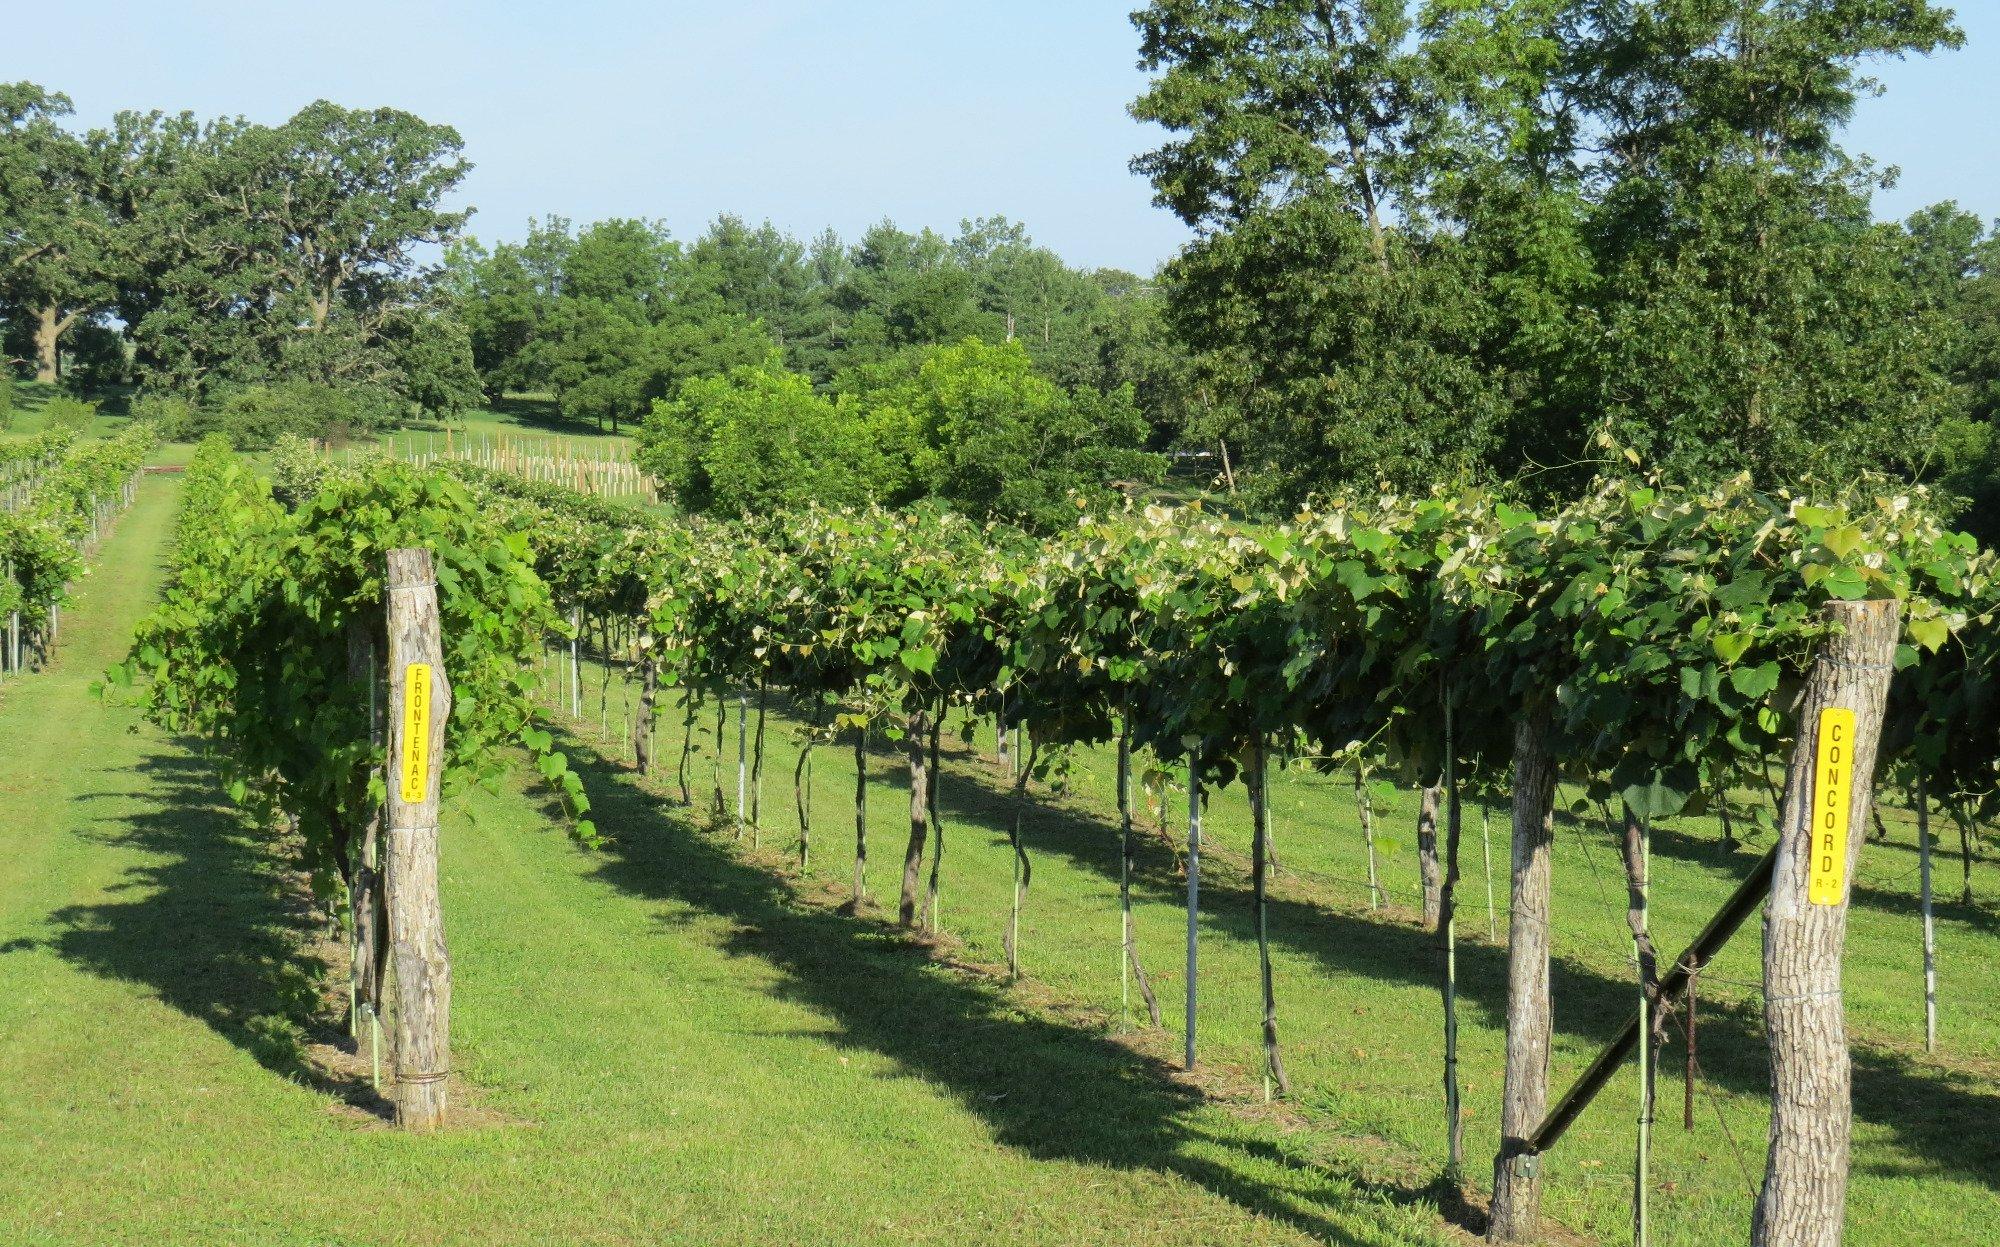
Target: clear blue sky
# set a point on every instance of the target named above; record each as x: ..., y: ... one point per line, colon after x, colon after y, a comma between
x: 810, y: 114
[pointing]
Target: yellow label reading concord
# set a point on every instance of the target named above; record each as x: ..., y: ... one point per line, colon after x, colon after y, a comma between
x: 1833, y: 785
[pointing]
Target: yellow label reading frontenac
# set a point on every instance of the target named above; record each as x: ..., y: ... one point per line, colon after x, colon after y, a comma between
x: 1832, y: 793
x: 416, y: 731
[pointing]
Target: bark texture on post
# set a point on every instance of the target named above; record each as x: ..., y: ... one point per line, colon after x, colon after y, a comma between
x: 416, y: 918
x: 1804, y: 1198
x: 1427, y: 856
x: 1517, y: 1172
x: 915, y: 742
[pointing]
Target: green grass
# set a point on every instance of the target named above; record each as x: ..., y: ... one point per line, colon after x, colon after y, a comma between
x: 534, y: 417
x: 1359, y: 1007
x: 31, y: 400
x: 661, y: 1044
x: 674, y: 1039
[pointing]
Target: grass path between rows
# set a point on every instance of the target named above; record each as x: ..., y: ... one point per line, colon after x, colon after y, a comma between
x: 1358, y: 991
x: 663, y: 1044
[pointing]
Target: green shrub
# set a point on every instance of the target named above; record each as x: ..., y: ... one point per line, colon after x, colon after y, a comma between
x: 297, y: 470
x: 74, y: 415
x: 6, y: 399
x: 256, y: 416
x: 173, y: 415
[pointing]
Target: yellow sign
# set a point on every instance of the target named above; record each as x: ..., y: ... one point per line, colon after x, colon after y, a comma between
x: 1833, y: 792
x: 416, y: 731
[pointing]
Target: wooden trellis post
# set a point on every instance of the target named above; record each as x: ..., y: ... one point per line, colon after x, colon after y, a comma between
x: 420, y: 702
x: 1517, y: 1173
x: 1829, y: 788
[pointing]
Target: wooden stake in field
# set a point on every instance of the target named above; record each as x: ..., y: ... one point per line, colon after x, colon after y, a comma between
x: 1829, y: 787
x: 419, y: 704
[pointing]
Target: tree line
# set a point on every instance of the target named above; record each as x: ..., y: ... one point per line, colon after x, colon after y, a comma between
x: 1435, y: 240
x: 1456, y: 239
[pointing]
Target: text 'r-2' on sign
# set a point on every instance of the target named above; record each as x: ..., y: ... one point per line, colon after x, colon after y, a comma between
x: 1832, y: 794
x: 416, y: 731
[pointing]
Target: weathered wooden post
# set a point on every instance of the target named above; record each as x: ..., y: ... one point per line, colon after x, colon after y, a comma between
x: 1517, y: 1170
x: 420, y: 702
x: 1829, y: 787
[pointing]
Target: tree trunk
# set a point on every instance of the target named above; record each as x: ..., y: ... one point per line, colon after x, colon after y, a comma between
x: 933, y: 901
x: 1930, y: 925
x: 860, y: 815
x: 1126, y: 860
x: 1193, y: 893
x: 649, y: 696
x: 757, y: 763
x: 1636, y: 852
x: 915, y: 740
x: 420, y: 698
x: 802, y: 798
x: 1366, y: 805
x: 1517, y: 1172
x: 1448, y: 941
x: 1828, y: 788
x: 689, y: 707
x: 719, y: 803
x: 742, y: 760
x: 365, y: 893
x: 1023, y: 870
x: 1254, y: 778
x: 1964, y: 821
x: 48, y: 329
x: 1427, y: 854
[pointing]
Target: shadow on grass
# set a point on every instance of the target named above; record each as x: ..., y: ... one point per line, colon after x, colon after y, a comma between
x: 1928, y: 1110
x: 1050, y: 1089
x: 211, y: 923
